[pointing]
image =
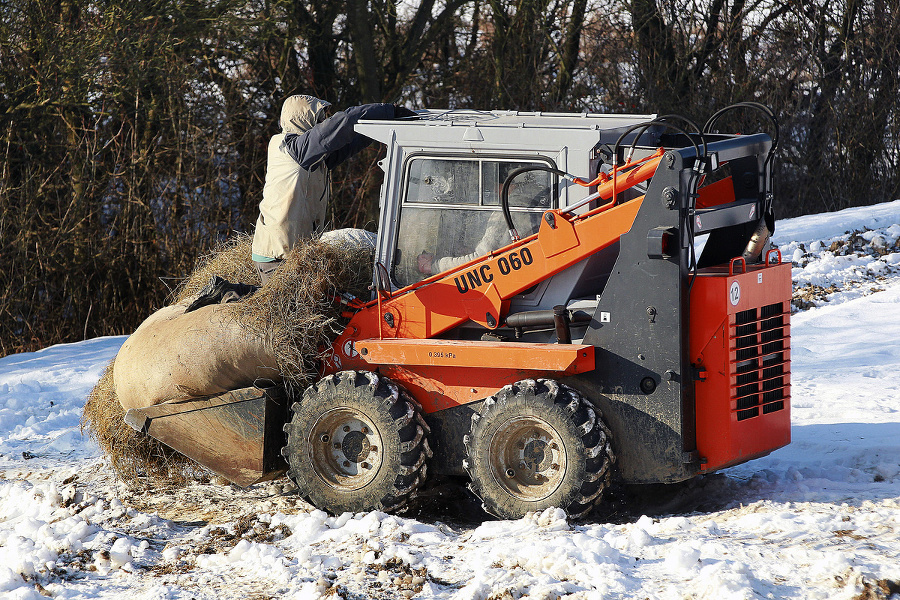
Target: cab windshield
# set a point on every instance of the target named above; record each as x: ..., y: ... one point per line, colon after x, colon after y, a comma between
x: 451, y: 213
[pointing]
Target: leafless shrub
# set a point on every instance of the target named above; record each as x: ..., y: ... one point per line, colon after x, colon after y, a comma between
x: 133, y: 135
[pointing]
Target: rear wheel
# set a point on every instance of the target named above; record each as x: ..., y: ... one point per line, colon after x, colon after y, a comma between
x: 357, y: 442
x: 537, y: 444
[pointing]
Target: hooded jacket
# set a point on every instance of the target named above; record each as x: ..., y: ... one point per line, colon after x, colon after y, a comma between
x: 297, y: 187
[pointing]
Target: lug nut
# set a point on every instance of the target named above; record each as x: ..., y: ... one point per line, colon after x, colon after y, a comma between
x: 553, y: 446
x: 346, y: 463
x: 346, y: 429
x: 337, y: 446
x: 325, y: 438
x: 373, y: 449
x: 365, y: 430
x: 366, y: 465
x: 555, y: 467
x: 510, y: 473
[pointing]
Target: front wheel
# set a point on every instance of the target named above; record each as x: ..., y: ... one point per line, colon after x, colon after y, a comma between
x: 357, y: 442
x: 538, y: 444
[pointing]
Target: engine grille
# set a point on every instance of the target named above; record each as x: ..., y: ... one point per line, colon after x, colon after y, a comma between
x: 761, y: 360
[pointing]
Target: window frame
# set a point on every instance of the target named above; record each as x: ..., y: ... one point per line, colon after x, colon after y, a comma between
x: 479, y: 159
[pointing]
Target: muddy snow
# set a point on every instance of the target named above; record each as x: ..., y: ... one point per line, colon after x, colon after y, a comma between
x: 817, y: 519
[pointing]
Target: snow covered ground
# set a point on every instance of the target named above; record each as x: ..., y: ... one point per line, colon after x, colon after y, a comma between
x: 817, y: 519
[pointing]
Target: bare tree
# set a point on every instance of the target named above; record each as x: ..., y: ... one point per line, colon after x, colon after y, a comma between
x: 133, y: 135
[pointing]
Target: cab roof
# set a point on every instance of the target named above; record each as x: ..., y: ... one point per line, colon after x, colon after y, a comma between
x: 499, y: 126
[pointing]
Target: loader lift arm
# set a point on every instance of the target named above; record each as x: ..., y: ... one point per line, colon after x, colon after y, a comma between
x: 406, y: 322
x: 396, y: 331
x: 481, y: 286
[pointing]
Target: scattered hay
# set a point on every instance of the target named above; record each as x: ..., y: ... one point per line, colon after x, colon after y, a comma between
x: 133, y: 455
x: 230, y: 260
x: 295, y: 312
x: 880, y: 589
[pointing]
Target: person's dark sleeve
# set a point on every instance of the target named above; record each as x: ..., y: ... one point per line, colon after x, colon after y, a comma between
x: 334, y: 141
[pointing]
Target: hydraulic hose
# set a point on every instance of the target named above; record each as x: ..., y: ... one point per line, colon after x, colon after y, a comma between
x: 698, y: 163
x: 768, y: 210
x: 707, y: 127
x: 504, y: 192
x: 665, y: 120
x: 645, y: 126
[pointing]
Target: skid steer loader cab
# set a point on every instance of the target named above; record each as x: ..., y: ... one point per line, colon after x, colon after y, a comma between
x: 450, y: 212
x: 558, y: 298
x: 443, y: 175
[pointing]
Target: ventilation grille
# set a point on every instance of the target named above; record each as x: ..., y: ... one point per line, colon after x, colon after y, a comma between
x: 760, y: 366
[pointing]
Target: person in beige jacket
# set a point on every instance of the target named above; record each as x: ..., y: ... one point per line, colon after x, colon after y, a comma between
x: 297, y: 187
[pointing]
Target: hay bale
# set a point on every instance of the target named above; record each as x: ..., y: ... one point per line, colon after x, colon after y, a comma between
x: 278, y: 333
x: 177, y: 355
x: 294, y: 313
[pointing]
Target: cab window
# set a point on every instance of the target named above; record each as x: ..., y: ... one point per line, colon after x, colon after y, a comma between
x: 451, y: 214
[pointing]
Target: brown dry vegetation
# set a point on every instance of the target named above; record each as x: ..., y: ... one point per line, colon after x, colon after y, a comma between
x: 230, y: 260
x: 133, y: 134
x: 296, y: 310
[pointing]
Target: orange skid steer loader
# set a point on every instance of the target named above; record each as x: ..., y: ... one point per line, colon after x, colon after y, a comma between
x: 535, y: 331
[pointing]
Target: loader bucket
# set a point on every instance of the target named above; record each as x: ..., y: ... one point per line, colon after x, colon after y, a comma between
x: 237, y: 435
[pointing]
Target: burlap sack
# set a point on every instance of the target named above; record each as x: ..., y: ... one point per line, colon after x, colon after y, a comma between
x: 175, y: 355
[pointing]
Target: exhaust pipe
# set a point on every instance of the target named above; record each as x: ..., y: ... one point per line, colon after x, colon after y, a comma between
x: 757, y: 243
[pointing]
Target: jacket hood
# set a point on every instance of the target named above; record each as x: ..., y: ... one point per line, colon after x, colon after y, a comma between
x: 300, y: 113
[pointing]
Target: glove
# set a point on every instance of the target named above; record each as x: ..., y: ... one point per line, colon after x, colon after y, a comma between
x: 425, y: 262
x: 401, y: 112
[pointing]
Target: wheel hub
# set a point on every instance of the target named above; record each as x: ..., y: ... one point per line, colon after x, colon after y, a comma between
x: 345, y: 448
x: 355, y: 446
x: 537, y: 455
x: 527, y: 458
